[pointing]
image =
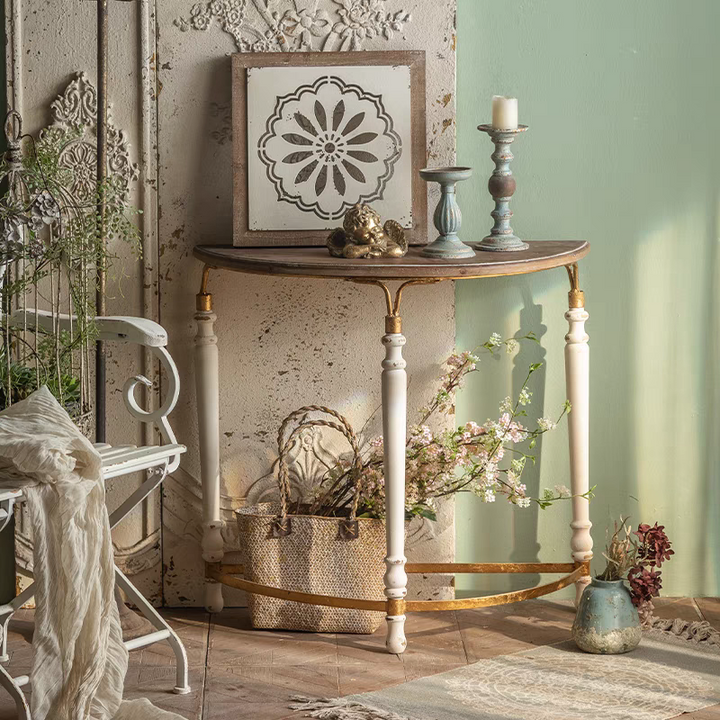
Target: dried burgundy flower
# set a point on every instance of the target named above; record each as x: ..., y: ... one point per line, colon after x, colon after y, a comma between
x: 654, y: 546
x: 645, y: 584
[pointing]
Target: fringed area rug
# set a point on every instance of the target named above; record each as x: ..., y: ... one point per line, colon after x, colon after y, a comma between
x: 676, y: 669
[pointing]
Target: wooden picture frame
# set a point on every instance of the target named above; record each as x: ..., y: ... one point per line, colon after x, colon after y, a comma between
x: 269, y: 212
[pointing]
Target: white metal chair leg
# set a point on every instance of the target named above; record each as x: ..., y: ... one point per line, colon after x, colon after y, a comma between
x: 394, y: 407
x: 16, y: 693
x: 577, y: 373
x: 4, y: 622
x: 164, y: 632
x: 182, y: 685
x: 6, y: 613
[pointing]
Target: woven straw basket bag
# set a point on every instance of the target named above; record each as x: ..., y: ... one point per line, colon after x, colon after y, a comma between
x: 338, y: 556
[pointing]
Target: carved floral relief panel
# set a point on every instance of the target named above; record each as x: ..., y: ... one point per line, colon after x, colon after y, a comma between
x: 75, y: 113
x: 267, y: 26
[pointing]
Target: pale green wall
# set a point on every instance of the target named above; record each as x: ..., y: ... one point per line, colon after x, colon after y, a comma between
x: 623, y: 103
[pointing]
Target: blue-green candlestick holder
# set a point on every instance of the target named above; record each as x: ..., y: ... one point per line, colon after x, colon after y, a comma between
x: 448, y: 217
x: 502, y: 187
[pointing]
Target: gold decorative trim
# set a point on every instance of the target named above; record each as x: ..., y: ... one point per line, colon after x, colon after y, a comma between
x: 393, y: 324
x: 460, y: 568
x: 295, y: 595
x: 501, y: 599
x: 225, y: 574
x: 489, y: 568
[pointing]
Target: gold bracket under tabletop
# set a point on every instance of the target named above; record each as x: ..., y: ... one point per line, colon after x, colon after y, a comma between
x: 576, y: 297
x: 393, y: 321
x: 203, y: 300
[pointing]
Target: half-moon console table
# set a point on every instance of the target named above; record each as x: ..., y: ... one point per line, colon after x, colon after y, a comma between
x: 413, y: 269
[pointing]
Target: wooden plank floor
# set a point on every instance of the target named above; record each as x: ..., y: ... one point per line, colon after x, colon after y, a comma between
x: 238, y: 673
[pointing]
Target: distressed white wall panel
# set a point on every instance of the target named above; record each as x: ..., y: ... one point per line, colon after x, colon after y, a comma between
x: 57, y: 42
x: 283, y: 343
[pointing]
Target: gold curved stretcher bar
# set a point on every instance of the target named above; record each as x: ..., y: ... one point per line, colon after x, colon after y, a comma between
x: 226, y: 574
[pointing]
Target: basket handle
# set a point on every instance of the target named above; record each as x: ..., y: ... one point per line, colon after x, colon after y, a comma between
x: 282, y: 523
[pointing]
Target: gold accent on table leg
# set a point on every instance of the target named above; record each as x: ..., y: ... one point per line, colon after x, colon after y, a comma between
x: 393, y: 324
x: 491, y: 600
x: 408, y: 283
x: 393, y: 321
x: 395, y: 606
x: 203, y: 300
x: 576, y: 297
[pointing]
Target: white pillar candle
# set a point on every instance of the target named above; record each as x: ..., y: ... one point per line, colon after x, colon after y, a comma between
x: 504, y: 112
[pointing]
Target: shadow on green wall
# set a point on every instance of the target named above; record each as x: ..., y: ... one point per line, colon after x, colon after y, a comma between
x: 612, y: 156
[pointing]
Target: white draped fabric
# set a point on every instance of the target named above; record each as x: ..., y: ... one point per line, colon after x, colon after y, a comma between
x: 79, y: 660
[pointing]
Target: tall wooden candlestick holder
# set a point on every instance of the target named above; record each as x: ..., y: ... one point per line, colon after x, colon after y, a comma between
x: 502, y: 187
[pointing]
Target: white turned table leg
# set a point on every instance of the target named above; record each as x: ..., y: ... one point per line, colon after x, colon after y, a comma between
x: 394, y: 407
x: 577, y: 373
x: 208, y: 408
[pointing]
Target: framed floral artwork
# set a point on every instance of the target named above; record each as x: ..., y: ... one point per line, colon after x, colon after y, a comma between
x: 316, y: 133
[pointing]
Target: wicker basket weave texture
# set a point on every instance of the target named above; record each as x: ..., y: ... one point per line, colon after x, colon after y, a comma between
x: 313, y: 559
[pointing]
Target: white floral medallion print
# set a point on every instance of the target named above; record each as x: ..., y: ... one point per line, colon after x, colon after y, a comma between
x: 328, y: 146
x: 321, y: 140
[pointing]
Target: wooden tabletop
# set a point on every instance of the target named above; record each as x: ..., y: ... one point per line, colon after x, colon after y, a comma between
x: 318, y: 263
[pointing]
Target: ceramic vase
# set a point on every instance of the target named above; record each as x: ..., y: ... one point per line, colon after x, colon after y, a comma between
x: 606, y: 622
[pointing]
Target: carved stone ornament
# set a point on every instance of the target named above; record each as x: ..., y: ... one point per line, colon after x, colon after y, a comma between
x: 308, y: 461
x: 142, y: 556
x: 73, y: 128
x: 285, y: 25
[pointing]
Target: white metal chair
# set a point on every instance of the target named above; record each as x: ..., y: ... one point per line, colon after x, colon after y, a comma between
x: 156, y: 460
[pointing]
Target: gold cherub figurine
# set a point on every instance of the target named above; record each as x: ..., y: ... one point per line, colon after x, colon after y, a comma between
x: 364, y: 236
